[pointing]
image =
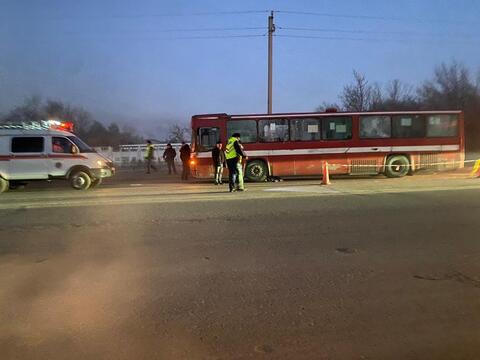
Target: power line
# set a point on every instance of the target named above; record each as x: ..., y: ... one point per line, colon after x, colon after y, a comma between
x: 369, y: 17
x: 211, y: 13
x: 212, y: 37
x: 146, y: 15
x: 213, y: 29
x: 339, y: 38
x: 200, y: 37
x: 408, y: 33
x: 336, y: 38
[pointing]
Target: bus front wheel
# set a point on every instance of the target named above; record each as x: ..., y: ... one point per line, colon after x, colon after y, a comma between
x: 256, y: 171
x: 397, y: 166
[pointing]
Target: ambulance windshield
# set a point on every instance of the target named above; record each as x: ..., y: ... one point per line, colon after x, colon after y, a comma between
x: 84, y: 148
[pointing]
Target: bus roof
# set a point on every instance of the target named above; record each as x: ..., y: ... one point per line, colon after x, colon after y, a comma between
x: 336, y: 113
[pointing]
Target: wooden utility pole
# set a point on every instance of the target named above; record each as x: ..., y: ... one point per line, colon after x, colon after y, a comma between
x: 271, y: 30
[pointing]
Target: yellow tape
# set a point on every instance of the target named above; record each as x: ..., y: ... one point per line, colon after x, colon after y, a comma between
x: 476, y: 169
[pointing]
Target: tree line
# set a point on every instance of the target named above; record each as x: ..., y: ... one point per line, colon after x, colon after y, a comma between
x: 95, y: 133
x: 452, y: 87
x: 86, y: 127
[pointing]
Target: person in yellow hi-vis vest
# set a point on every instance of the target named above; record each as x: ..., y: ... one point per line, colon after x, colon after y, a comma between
x: 233, y: 153
x: 149, y: 156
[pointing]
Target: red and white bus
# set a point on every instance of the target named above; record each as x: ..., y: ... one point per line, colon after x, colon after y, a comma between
x: 295, y: 144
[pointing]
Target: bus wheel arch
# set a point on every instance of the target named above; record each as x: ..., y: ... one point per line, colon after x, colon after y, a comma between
x: 397, y: 165
x: 256, y: 170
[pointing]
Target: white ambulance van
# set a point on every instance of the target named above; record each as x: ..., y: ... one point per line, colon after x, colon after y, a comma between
x: 49, y: 150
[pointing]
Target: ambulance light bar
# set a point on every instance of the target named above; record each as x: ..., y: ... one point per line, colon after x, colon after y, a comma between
x: 41, y: 125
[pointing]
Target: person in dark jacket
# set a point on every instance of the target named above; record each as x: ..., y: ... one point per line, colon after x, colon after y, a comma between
x: 218, y: 159
x: 169, y: 156
x: 233, y: 153
x: 185, y: 157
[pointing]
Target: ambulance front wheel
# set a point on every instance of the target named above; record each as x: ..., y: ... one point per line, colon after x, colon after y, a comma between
x: 4, y: 185
x: 95, y: 183
x: 80, y: 180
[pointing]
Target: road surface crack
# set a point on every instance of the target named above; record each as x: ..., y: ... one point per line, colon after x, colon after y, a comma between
x: 455, y: 276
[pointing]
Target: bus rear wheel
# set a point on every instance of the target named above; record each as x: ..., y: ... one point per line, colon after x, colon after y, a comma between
x: 4, y: 185
x: 256, y: 171
x: 397, y: 166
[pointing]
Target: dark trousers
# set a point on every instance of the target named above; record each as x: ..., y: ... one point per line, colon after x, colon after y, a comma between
x: 186, y: 169
x: 171, y: 166
x: 232, y: 172
x: 150, y: 165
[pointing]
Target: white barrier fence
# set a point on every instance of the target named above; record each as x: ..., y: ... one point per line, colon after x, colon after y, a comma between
x: 133, y: 156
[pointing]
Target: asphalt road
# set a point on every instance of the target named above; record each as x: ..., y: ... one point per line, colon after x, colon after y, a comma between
x: 363, y: 269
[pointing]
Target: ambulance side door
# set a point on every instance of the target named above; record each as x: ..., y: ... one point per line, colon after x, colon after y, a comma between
x: 28, y: 158
x: 61, y: 156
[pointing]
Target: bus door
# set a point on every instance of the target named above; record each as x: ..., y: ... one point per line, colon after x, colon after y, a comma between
x: 204, y: 140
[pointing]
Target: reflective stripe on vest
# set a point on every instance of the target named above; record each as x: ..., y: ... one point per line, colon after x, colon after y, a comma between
x: 230, y: 152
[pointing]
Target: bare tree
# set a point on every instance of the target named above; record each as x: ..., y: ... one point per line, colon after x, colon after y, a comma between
x: 399, y: 96
x: 357, y: 96
x: 451, y: 88
x: 30, y: 110
x: 178, y: 133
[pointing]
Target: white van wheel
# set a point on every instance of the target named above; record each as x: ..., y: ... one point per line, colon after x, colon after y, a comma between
x: 80, y: 180
x: 95, y: 183
x: 4, y: 185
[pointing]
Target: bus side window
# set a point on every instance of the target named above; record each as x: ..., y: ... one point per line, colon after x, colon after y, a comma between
x: 273, y: 130
x: 375, y: 127
x: 337, y: 128
x: 442, y: 125
x: 246, y: 128
x: 305, y: 129
x: 408, y: 126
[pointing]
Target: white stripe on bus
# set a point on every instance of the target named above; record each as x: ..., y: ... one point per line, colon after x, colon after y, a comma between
x: 344, y: 150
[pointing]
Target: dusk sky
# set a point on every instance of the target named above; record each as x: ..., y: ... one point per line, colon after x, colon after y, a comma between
x: 145, y: 62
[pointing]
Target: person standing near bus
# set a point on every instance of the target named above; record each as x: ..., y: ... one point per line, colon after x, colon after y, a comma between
x: 185, y: 157
x: 239, y: 183
x: 218, y: 158
x: 149, y: 156
x: 169, y: 156
x: 233, y: 151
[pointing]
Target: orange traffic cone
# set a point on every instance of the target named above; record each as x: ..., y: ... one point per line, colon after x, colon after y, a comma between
x: 476, y: 169
x: 325, y: 174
